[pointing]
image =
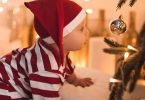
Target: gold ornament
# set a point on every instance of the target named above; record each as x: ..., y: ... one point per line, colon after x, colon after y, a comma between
x: 118, y: 26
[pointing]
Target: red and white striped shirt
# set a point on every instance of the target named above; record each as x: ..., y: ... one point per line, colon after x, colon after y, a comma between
x: 32, y: 73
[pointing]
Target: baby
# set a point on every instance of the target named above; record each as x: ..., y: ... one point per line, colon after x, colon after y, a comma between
x: 38, y: 72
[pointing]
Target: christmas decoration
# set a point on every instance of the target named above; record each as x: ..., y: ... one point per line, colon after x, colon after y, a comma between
x: 132, y: 62
x: 118, y: 26
x: 122, y: 2
x: 129, y: 70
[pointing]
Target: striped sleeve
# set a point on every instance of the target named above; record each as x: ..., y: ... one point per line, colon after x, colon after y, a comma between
x: 13, y: 84
x: 45, y: 85
x: 7, y: 92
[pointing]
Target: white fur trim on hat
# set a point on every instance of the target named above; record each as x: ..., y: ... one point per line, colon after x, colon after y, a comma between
x: 74, y: 23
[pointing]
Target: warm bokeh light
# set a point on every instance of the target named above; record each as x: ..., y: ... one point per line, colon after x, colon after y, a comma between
x: 131, y: 47
x: 80, y: 57
x: 1, y: 9
x: 81, y: 64
x: 89, y: 11
x: 141, y: 82
x: 37, y: 36
x: 113, y: 80
x: 87, y: 0
x: 126, y: 55
x: 4, y: 1
x: 16, y: 10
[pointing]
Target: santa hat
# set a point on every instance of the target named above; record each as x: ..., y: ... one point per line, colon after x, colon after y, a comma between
x: 55, y: 19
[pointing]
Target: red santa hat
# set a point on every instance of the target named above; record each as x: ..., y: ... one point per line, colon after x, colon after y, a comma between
x: 54, y: 19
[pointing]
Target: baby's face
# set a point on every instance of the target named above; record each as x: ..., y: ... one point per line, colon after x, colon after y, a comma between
x: 77, y: 38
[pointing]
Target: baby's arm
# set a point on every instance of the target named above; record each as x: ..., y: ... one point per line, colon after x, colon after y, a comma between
x: 73, y: 79
x: 83, y: 82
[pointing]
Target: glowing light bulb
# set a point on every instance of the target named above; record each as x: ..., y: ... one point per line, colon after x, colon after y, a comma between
x: 89, y: 11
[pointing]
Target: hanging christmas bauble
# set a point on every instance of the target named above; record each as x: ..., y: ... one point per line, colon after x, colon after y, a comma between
x: 118, y: 26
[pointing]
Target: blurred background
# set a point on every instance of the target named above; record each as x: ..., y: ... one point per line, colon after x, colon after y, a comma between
x: 17, y: 31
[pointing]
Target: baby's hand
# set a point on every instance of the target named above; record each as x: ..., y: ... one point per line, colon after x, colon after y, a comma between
x: 83, y: 82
